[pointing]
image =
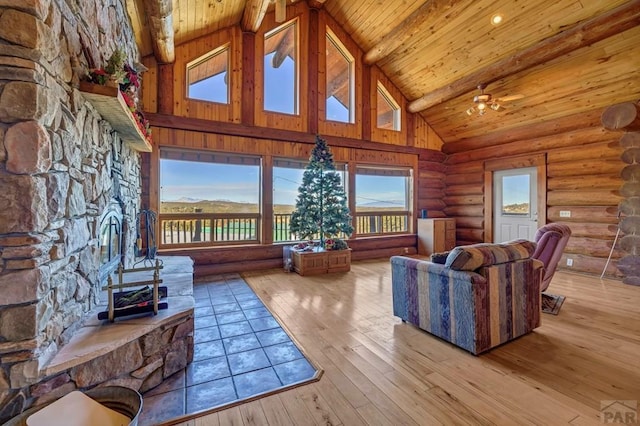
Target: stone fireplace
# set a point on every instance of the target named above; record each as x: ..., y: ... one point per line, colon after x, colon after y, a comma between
x: 63, y: 169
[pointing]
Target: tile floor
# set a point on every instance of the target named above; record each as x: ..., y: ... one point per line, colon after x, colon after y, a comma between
x: 240, y: 350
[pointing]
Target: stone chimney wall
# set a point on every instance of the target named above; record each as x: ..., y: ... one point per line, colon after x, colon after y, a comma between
x: 60, y: 164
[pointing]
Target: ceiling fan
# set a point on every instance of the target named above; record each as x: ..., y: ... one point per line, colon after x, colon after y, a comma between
x: 485, y: 101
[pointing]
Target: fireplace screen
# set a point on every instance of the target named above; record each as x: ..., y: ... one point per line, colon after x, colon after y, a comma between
x: 110, y: 239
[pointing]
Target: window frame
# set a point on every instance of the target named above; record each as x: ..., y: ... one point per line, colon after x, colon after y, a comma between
x: 332, y: 38
x: 295, y: 22
x: 208, y: 218
x: 408, y: 173
x: 381, y: 90
x: 226, y: 47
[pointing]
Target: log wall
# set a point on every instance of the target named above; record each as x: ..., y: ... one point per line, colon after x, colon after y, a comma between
x: 626, y: 116
x: 582, y: 176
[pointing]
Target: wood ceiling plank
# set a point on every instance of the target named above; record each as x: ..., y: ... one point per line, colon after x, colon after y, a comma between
x: 412, y: 25
x: 135, y: 9
x: 428, y: 61
x: 578, y: 83
x: 578, y: 36
x: 367, y: 21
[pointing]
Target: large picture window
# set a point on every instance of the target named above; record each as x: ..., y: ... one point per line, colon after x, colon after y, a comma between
x: 281, y: 69
x: 208, y: 198
x: 383, y: 200
x: 212, y: 198
x: 287, y: 177
x: 208, y: 77
x: 340, y: 93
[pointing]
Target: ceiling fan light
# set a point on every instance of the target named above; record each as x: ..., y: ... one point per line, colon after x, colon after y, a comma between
x: 482, y: 106
x: 470, y: 111
x: 495, y: 106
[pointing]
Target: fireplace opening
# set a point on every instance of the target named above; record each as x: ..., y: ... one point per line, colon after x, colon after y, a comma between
x: 110, y: 239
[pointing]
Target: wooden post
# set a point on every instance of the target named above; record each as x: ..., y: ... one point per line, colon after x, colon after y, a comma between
x: 197, y: 232
x: 248, y: 87
x: 312, y: 95
x: 267, y: 200
x: 165, y: 80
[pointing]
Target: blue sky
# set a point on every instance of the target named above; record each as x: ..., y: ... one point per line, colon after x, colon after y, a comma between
x: 515, y: 189
x: 206, y: 181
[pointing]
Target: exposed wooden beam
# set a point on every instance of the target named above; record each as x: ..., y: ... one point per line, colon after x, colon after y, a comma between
x: 160, y: 18
x: 316, y: 4
x: 583, y: 34
x: 414, y: 23
x: 284, y: 48
x: 281, y: 11
x: 253, y: 15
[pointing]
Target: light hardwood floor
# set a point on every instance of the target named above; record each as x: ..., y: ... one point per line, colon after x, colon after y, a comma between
x: 380, y: 371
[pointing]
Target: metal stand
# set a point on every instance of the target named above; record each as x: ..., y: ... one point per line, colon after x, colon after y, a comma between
x: 150, y: 245
x: 147, y: 306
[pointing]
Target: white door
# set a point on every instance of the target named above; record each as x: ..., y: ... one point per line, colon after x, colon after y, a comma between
x: 515, y: 209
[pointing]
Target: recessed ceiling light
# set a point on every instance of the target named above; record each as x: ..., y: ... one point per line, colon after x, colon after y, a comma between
x: 497, y: 19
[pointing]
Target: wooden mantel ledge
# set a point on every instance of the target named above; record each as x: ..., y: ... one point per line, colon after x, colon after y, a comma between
x: 108, y: 101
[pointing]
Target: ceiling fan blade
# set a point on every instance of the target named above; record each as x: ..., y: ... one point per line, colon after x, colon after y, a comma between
x: 509, y: 98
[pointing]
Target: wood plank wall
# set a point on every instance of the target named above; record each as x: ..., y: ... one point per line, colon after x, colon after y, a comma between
x: 583, y: 176
x: 243, y: 127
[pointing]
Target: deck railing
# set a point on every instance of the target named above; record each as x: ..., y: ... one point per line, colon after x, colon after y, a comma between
x: 383, y: 222
x: 281, y: 233
x: 209, y: 229
x: 206, y: 229
x: 367, y: 223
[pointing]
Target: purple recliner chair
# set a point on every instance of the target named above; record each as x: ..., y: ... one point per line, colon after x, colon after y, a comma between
x: 551, y: 239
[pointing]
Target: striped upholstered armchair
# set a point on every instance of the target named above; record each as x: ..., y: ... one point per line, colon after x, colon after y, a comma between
x: 482, y: 296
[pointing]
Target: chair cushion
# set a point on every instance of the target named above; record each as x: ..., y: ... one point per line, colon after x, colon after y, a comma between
x: 472, y: 257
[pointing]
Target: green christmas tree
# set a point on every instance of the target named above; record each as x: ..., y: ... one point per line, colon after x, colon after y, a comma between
x: 321, y: 206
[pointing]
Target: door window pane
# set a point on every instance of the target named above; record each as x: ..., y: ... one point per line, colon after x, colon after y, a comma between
x: 516, y: 195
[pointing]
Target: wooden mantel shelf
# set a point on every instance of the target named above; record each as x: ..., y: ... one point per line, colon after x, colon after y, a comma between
x: 113, y: 108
